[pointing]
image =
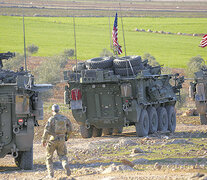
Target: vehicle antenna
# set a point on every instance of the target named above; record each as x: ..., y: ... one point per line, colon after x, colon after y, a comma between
x: 124, y: 42
x: 122, y: 30
x: 110, y: 34
x: 25, y: 56
x: 75, y: 48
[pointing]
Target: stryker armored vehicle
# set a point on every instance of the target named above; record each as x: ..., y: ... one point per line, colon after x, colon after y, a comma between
x: 107, y: 94
x: 20, y: 109
x: 198, y: 92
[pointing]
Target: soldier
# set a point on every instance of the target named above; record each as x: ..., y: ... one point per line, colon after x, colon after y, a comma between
x: 59, y: 128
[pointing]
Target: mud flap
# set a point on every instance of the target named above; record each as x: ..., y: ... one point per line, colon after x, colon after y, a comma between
x: 134, y: 112
x: 201, y: 107
x: 79, y: 116
x: 76, y: 104
x: 24, y: 139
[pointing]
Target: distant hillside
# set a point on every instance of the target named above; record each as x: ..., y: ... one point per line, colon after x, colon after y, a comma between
x: 91, y: 8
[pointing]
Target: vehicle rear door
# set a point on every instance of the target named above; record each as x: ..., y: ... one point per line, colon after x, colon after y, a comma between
x: 103, y: 101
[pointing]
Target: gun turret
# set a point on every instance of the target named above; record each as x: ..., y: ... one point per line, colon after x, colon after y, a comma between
x: 5, y: 56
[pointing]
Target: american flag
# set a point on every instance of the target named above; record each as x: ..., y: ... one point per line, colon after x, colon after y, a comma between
x: 203, y: 42
x: 117, y: 47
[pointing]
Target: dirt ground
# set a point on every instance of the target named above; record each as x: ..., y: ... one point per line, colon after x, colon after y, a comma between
x: 107, y: 5
x: 86, y: 164
x: 102, y: 157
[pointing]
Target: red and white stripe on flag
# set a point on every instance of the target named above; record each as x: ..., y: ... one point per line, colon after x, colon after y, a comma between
x: 203, y: 42
x: 115, y: 40
x: 116, y: 45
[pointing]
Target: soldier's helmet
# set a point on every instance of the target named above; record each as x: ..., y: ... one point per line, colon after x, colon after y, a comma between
x: 55, y: 107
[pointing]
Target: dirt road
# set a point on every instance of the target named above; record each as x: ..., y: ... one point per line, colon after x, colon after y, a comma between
x: 181, y: 155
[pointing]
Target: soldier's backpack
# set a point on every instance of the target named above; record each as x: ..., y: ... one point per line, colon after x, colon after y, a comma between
x: 60, y: 125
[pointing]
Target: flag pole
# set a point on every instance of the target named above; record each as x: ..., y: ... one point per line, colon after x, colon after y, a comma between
x: 75, y: 48
x: 25, y: 56
x: 123, y: 31
x: 110, y: 33
x: 124, y: 41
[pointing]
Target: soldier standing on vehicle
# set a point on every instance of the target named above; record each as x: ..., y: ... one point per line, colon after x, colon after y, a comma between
x: 58, y: 128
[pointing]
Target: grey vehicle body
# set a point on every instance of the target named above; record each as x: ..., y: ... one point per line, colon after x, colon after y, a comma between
x: 106, y: 99
x: 197, y: 91
x: 20, y: 109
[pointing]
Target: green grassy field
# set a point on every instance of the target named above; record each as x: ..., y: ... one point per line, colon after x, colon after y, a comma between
x: 53, y: 35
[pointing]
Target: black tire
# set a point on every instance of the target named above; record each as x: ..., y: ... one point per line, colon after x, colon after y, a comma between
x: 97, y: 132
x: 203, y: 119
x: 153, y: 120
x: 123, y: 71
x: 107, y: 131
x: 118, y: 130
x: 123, y: 62
x: 162, y: 119
x: 86, y: 133
x: 142, y: 126
x: 99, y: 63
x: 171, y: 118
x: 25, y: 159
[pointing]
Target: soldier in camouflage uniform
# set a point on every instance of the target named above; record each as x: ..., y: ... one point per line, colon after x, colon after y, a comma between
x: 58, y: 128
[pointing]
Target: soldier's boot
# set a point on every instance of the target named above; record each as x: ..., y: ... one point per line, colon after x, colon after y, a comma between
x: 49, y: 176
x: 65, y: 164
x: 68, y: 172
x: 67, y: 169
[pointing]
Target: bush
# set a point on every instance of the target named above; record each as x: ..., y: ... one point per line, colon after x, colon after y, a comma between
x: 151, y: 59
x: 61, y: 60
x: 68, y: 53
x: 195, y: 64
x: 106, y: 52
x: 32, y: 49
x: 182, y: 100
x: 50, y: 71
x: 166, y: 70
x: 14, y: 63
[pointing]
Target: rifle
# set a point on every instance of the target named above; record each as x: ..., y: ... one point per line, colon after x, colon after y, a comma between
x: 5, y: 56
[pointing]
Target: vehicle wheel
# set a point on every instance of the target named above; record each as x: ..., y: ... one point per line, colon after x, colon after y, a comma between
x: 124, y: 61
x: 162, y: 119
x: 142, y: 127
x: 25, y: 159
x: 99, y: 63
x: 97, y: 132
x: 86, y: 133
x: 171, y: 118
x: 118, y: 130
x: 107, y: 131
x: 203, y: 119
x: 153, y: 120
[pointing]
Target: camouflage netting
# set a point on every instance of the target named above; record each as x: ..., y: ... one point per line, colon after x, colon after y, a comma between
x: 8, y: 76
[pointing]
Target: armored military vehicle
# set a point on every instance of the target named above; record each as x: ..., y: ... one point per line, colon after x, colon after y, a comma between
x: 20, y: 109
x: 107, y: 94
x: 198, y: 92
